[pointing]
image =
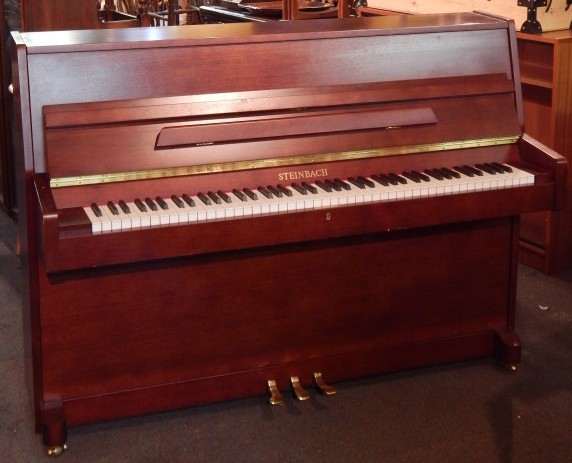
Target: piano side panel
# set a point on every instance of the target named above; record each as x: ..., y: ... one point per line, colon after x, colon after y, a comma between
x: 240, y: 312
x: 28, y: 226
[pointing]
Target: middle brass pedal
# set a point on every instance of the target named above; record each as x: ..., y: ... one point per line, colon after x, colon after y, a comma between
x: 299, y: 392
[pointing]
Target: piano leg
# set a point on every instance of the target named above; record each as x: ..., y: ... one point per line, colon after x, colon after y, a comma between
x: 507, y: 349
x: 54, y: 428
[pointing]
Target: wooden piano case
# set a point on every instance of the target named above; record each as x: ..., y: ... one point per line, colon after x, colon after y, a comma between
x: 124, y: 322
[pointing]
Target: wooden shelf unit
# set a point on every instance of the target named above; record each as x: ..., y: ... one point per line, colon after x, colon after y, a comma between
x: 546, y: 76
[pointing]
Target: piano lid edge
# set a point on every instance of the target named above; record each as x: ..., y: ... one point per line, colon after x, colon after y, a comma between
x: 275, y: 31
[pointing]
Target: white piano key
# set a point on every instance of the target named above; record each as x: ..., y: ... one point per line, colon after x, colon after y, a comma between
x: 125, y: 219
x: 134, y: 215
x: 113, y: 219
x: 144, y: 216
x: 96, y: 226
x: 177, y: 214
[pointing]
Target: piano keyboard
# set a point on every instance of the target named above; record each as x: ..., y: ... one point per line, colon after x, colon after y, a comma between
x: 297, y: 197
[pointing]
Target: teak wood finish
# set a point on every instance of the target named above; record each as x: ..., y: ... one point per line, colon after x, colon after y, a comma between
x: 140, y: 321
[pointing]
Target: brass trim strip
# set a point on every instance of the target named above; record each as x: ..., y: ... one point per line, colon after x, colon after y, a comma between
x: 274, y: 162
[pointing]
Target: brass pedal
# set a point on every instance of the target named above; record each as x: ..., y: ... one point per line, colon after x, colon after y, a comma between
x: 299, y: 392
x: 275, y: 395
x: 321, y: 385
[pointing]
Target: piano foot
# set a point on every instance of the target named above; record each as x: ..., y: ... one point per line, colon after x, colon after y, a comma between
x: 275, y: 396
x: 507, y: 349
x: 321, y: 385
x: 54, y: 428
x: 299, y: 392
x: 57, y: 450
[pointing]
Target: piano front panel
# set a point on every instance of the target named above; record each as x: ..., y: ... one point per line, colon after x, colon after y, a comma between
x: 183, y: 314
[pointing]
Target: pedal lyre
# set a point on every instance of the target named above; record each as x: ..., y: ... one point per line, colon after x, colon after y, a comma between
x: 275, y: 396
x: 299, y: 392
x: 321, y: 385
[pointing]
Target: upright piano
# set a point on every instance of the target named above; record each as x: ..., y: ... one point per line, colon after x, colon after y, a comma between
x: 223, y: 211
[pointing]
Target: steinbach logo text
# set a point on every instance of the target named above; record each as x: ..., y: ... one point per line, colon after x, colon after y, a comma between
x: 298, y: 174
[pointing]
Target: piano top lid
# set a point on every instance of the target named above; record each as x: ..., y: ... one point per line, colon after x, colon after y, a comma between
x: 126, y: 38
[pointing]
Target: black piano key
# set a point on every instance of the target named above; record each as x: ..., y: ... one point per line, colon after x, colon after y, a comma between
x: 367, y: 182
x: 496, y: 167
x: 300, y: 189
x: 162, y: 203
x: 265, y: 192
x: 343, y: 184
x: 239, y: 194
x: 140, y: 205
x: 331, y: 184
x: 214, y: 197
x: 124, y: 207
x: 275, y: 191
x: 398, y: 178
x: 388, y: 179
x: 151, y: 204
x: 190, y: 201
x: 485, y: 168
x: 381, y: 179
x: 463, y: 170
x: 327, y: 188
x: 226, y: 198
x: 423, y: 177
x: 411, y: 176
x: 178, y: 201
x: 311, y: 188
x: 204, y: 198
x: 434, y: 173
x: 504, y: 167
x: 284, y: 190
x: 450, y: 172
x: 112, y: 208
x: 251, y: 194
x: 473, y: 170
x: 444, y: 173
x: 354, y: 181
x: 96, y: 210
